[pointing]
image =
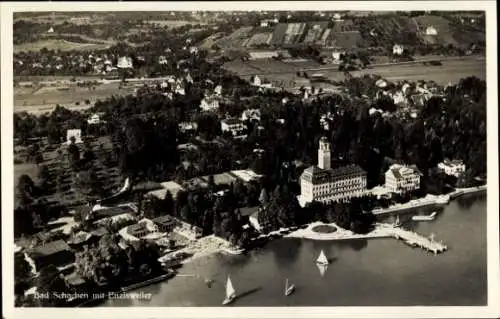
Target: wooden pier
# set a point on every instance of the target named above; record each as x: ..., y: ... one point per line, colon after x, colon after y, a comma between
x: 415, y: 240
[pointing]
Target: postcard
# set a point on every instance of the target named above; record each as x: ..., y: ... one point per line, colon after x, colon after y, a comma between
x: 250, y: 159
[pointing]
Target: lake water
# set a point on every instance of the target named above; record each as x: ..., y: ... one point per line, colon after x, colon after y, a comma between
x: 377, y: 272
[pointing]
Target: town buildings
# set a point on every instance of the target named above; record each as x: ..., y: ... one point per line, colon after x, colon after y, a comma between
x: 325, y: 184
x: 402, y: 178
x: 233, y: 125
x: 452, y: 167
x: 56, y: 253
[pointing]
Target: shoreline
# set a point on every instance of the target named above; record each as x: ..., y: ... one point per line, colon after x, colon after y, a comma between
x: 429, y: 200
x: 381, y: 230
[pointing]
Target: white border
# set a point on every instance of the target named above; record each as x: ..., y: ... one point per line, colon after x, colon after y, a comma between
x: 492, y: 310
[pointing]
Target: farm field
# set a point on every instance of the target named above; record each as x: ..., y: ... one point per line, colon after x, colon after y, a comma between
x: 451, y: 71
x: 173, y: 23
x: 46, y: 98
x: 58, y: 44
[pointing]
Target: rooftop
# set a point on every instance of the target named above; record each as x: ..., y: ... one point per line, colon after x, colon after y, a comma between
x: 314, y: 174
x: 50, y: 248
x: 231, y: 121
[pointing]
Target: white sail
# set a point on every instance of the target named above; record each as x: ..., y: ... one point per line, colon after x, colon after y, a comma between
x: 286, y: 285
x: 322, y: 258
x: 322, y: 269
x: 230, y: 292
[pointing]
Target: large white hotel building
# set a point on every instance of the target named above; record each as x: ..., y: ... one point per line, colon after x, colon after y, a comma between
x: 323, y: 183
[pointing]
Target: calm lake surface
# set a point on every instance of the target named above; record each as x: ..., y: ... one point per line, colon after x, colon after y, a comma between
x: 377, y: 272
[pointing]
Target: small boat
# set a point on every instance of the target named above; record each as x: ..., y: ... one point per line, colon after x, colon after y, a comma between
x: 230, y: 292
x: 322, y: 260
x: 289, y: 289
x: 397, y: 223
x: 424, y: 217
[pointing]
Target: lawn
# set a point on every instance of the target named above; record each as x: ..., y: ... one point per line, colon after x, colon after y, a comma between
x: 47, y: 98
x: 58, y: 44
x: 324, y: 229
x: 173, y: 23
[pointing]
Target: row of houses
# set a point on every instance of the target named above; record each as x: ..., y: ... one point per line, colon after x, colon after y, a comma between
x: 220, y: 180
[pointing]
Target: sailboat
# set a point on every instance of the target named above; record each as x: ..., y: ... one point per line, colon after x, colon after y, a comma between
x: 230, y: 292
x: 322, y: 260
x: 289, y: 289
x: 397, y: 223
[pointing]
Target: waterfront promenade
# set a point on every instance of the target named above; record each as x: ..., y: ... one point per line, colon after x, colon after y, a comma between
x: 429, y: 200
x: 381, y: 231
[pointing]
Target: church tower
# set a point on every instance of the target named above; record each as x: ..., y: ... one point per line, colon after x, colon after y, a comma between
x: 324, y: 156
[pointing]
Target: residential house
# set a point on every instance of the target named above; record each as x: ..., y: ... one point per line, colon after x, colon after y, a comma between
x: 165, y: 223
x: 169, y: 186
x: 75, y: 134
x: 251, y: 115
x: 431, y: 31
x: 138, y: 230
x: 233, y: 125
x: 336, y: 55
x: 94, y: 119
x: 218, y: 90
x: 186, y: 127
x: 402, y: 178
x: 452, y: 167
x: 56, y: 253
x: 209, y: 104
x: 179, y: 89
x: 397, y: 49
x: 124, y: 63
x: 256, y: 80
x: 193, y: 50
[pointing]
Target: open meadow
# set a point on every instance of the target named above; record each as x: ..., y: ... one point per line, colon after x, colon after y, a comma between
x: 58, y: 45
x: 451, y: 70
x: 36, y: 100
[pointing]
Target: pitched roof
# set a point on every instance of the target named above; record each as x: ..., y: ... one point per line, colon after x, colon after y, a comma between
x: 165, y: 219
x: 248, y: 211
x: 50, y: 248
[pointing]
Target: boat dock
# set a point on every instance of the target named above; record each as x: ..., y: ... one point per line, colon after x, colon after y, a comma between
x: 415, y: 240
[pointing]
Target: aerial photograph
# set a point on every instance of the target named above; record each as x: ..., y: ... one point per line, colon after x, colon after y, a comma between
x: 249, y: 158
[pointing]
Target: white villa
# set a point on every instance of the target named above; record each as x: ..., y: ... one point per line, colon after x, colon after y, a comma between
x: 397, y: 49
x: 452, y: 167
x: 74, y: 133
x: 431, y: 31
x: 209, y: 104
x: 402, y: 178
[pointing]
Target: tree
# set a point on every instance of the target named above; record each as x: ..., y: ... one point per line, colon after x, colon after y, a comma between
x: 74, y: 155
x: 26, y: 187
x: 48, y: 281
x: 263, y: 198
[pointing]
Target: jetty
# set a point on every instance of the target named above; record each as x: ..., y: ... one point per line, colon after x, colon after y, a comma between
x: 416, y: 240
